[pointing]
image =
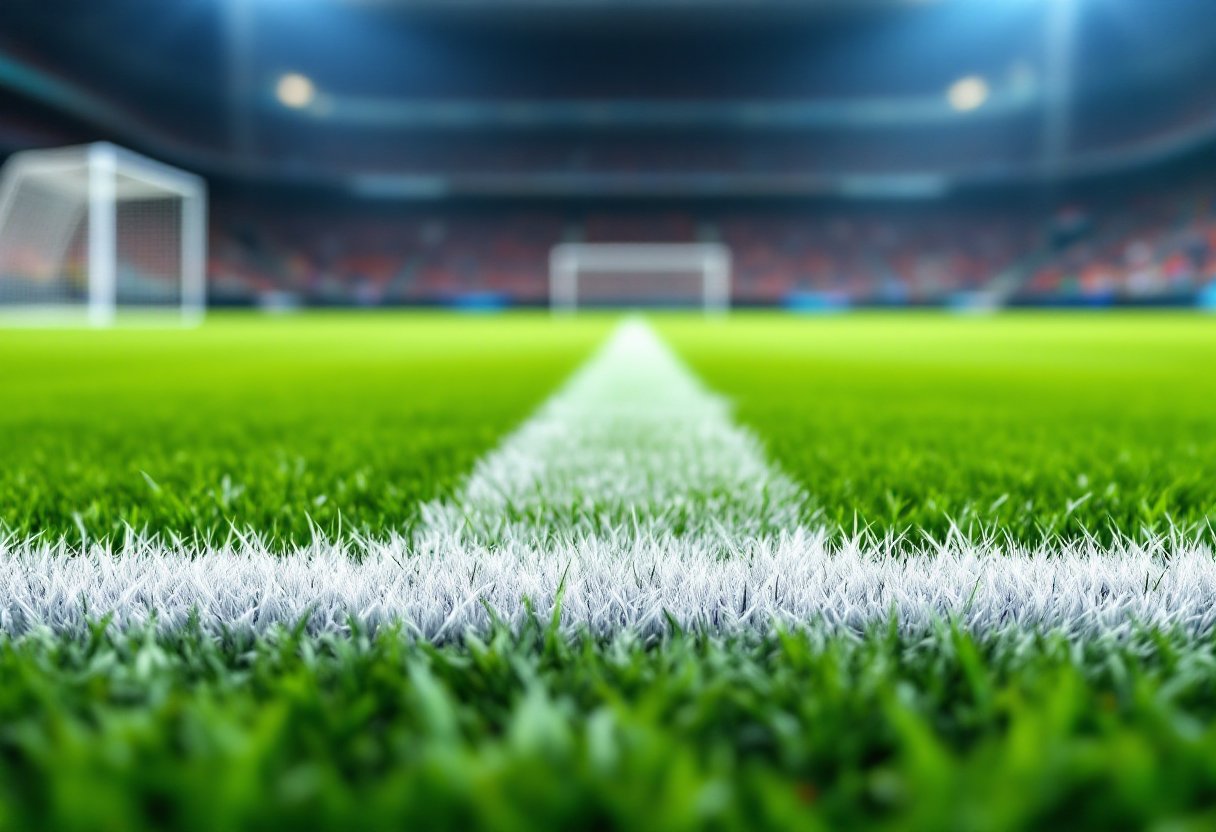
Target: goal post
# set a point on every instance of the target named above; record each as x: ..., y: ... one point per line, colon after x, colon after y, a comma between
x: 92, y: 232
x: 638, y: 267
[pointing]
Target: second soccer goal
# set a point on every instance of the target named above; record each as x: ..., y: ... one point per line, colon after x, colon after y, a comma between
x: 640, y: 274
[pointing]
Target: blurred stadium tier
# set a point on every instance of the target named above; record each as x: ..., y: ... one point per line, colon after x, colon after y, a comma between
x: 1143, y: 247
x: 1148, y: 247
x: 886, y: 152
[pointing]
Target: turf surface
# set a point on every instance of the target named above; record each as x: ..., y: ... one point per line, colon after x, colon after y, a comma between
x: 1032, y: 425
x: 908, y: 423
x: 263, y: 425
x: 530, y: 731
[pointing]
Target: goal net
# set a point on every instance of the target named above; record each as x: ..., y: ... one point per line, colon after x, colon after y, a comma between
x: 91, y: 232
x: 639, y: 274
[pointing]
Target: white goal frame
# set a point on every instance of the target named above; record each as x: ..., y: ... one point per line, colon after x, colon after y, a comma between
x: 567, y: 261
x: 78, y: 192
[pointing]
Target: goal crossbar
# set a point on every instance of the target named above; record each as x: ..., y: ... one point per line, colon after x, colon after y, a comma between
x: 568, y: 261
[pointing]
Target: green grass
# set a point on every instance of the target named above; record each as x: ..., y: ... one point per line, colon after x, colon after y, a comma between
x: 270, y: 425
x: 906, y: 423
x: 531, y: 732
x: 1032, y: 425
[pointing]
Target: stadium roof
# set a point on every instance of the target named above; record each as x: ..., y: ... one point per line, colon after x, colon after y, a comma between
x: 635, y: 5
x: 418, y: 97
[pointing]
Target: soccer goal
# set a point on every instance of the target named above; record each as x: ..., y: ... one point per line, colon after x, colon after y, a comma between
x: 92, y: 232
x: 639, y: 274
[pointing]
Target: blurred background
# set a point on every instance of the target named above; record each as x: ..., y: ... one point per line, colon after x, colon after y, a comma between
x: 847, y: 152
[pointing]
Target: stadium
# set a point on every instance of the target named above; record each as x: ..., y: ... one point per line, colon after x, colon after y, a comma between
x: 608, y: 414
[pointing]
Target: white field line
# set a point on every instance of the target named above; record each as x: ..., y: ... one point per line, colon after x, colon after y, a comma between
x: 1084, y: 591
x: 633, y: 497
x: 632, y: 447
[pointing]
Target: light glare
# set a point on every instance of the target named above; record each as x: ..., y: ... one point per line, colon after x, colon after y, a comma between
x: 295, y: 90
x: 968, y: 93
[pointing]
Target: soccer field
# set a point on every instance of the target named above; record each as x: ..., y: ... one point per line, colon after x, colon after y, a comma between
x: 515, y: 572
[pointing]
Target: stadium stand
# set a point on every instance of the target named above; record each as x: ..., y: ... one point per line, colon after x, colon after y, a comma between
x: 1155, y: 247
x: 892, y: 256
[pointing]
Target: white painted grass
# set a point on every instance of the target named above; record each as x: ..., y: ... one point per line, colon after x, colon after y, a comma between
x: 633, y: 498
x: 632, y: 447
x: 607, y: 586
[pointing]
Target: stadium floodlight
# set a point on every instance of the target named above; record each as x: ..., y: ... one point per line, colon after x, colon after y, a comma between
x: 87, y: 232
x: 295, y: 91
x: 967, y: 94
x: 637, y: 274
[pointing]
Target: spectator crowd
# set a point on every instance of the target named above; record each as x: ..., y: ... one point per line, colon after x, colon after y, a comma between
x: 1141, y: 248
